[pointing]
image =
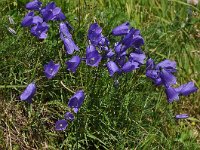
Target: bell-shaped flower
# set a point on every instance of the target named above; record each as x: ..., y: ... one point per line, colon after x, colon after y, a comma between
x: 76, y: 100
x: 182, y: 116
x: 51, y: 69
x: 73, y: 63
x: 70, y: 46
x: 51, y: 12
x: 130, y: 66
x: 61, y: 125
x: 64, y: 30
x: 186, y: 89
x: 167, y: 78
x: 40, y: 30
x: 94, y: 34
x: 28, y: 93
x: 122, y: 29
x: 93, y: 57
x: 66, y: 37
x: 168, y: 65
x: 37, y: 19
x: 28, y: 20
x: 137, y: 57
x: 112, y: 68
x: 171, y: 93
x: 34, y: 5
x: 69, y: 116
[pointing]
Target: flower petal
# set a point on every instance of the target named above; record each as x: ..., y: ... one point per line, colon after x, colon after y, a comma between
x: 28, y: 93
x: 61, y: 125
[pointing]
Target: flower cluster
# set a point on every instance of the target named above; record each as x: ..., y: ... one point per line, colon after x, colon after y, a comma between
x: 38, y: 23
x: 74, y: 103
x: 125, y: 56
x: 162, y: 74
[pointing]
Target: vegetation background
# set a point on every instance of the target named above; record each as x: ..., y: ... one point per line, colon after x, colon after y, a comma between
x: 134, y: 115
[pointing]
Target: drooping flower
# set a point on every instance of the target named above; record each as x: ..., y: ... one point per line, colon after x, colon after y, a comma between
x: 121, y: 29
x: 73, y: 63
x: 167, y: 78
x: 28, y: 20
x: 64, y: 30
x: 135, y: 57
x: 28, y: 93
x: 66, y: 37
x: 51, y: 12
x: 69, y: 116
x: 51, y: 69
x: 167, y: 64
x: 34, y: 5
x: 94, y: 34
x: 40, y: 30
x: 162, y: 72
x: 172, y: 95
x: 112, y: 68
x: 61, y: 125
x: 130, y: 66
x: 181, y: 116
x: 76, y: 100
x: 186, y: 89
x: 93, y: 57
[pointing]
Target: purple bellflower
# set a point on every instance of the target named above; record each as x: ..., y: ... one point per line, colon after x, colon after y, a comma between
x: 34, y: 5
x: 130, y: 66
x: 186, y: 89
x: 94, y: 34
x: 69, y: 116
x: 28, y: 20
x: 61, y: 125
x: 28, y: 93
x: 172, y: 95
x: 40, y: 30
x: 66, y: 37
x: 51, y: 69
x: 93, y: 57
x: 51, y: 12
x: 162, y: 72
x: 135, y: 57
x: 181, y: 116
x: 76, y: 100
x: 112, y: 68
x: 73, y: 63
x: 122, y: 29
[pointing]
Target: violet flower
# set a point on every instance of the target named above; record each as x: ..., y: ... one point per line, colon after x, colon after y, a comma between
x: 34, y: 5
x: 122, y: 29
x: 51, y: 12
x: 93, y: 57
x: 28, y: 93
x: 61, y: 125
x: 66, y: 37
x: 181, y: 116
x: 130, y: 66
x: 76, y: 100
x: 112, y: 68
x: 51, y: 69
x: 172, y: 95
x: 28, y: 20
x: 73, y: 63
x: 94, y: 34
x: 186, y: 89
x: 40, y: 30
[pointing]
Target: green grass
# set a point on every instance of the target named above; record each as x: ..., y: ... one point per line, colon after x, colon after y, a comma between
x: 135, y: 115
